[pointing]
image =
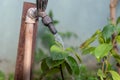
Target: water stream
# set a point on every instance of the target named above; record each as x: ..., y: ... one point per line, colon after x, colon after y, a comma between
x: 58, y: 38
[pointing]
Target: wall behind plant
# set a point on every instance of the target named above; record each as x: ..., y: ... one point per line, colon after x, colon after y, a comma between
x: 80, y: 16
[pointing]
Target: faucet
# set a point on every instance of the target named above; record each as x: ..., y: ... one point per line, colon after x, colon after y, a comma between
x: 47, y: 21
x: 39, y: 11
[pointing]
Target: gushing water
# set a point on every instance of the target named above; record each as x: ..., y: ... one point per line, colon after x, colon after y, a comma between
x: 59, y: 39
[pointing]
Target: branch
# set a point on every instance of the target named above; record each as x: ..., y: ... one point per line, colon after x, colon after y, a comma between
x: 113, y: 5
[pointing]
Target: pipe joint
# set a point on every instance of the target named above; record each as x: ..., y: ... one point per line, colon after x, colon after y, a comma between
x: 31, y: 15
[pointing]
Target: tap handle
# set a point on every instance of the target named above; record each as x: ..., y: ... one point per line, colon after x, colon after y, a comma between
x: 41, y: 5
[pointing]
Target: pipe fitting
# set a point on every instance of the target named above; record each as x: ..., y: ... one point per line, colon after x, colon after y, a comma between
x: 31, y: 15
x: 42, y: 14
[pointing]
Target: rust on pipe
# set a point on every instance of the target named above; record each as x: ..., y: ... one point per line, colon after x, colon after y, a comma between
x: 21, y: 46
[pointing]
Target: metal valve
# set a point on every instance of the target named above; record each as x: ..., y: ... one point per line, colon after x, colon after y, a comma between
x: 47, y: 21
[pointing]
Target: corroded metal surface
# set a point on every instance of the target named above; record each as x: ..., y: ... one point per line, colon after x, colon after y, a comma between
x: 21, y: 48
x: 41, y: 5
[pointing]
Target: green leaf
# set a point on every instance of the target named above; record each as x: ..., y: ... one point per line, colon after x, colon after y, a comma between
x: 52, y: 72
x: 73, y: 65
x: 57, y: 53
x: 102, y: 50
x: 2, y: 76
x: 71, y: 50
x: 68, y: 68
x: 108, y: 31
x: 115, y: 75
x: 90, y: 40
x: 44, y: 65
x: 118, y: 21
x: 53, y: 63
x: 88, y: 50
x: 101, y: 74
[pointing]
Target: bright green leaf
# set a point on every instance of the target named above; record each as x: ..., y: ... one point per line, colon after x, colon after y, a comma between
x: 115, y: 75
x: 53, y: 63
x: 57, y: 53
x: 102, y: 50
x: 73, y: 65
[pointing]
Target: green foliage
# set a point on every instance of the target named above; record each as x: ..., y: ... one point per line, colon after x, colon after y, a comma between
x: 107, y: 31
x: 105, y: 50
x: 102, y: 50
x: 57, y: 53
x: 71, y: 50
x: 73, y: 65
x: 115, y: 75
x: 85, y: 74
x: 2, y: 76
x: 90, y: 40
x: 53, y: 63
x: 88, y: 50
x: 11, y: 76
x: 101, y: 74
x: 59, y: 56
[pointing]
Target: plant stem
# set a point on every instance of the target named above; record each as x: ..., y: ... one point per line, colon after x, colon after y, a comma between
x: 61, y: 72
x: 113, y: 5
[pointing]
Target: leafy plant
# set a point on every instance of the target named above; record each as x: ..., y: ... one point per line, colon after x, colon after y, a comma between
x: 58, y: 60
x: 105, y: 50
x: 48, y: 40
